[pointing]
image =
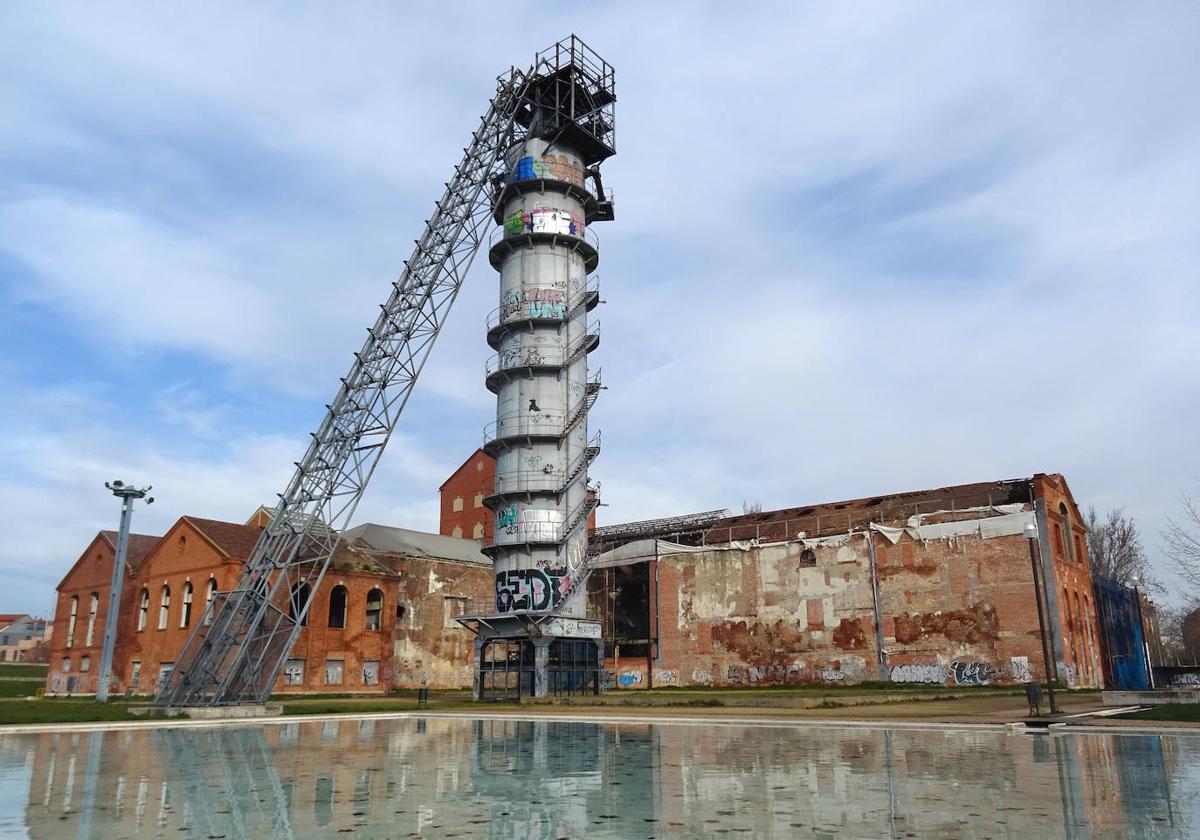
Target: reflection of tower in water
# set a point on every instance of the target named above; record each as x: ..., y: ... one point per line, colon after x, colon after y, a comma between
x: 536, y: 776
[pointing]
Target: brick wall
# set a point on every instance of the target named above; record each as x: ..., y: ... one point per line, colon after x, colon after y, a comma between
x: 416, y: 636
x: 958, y: 610
x: 462, y: 512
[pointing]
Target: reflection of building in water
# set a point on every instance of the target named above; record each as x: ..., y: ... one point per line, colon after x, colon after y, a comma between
x: 525, y: 780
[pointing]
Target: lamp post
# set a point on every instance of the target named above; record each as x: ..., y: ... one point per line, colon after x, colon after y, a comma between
x: 1137, y: 599
x: 127, y: 495
x: 1031, y: 534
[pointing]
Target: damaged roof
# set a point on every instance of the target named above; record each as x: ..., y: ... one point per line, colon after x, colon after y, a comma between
x: 416, y: 544
x: 857, y: 514
x: 820, y: 519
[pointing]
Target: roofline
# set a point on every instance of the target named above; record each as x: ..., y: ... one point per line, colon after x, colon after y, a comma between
x: 459, y: 468
x: 199, y: 531
x: 891, y: 495
x: 103, y: 537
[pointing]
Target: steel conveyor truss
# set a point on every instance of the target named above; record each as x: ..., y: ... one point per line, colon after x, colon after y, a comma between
x: 237, y: 650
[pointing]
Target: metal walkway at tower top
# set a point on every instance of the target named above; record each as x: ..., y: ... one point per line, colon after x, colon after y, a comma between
x: 237, y: 650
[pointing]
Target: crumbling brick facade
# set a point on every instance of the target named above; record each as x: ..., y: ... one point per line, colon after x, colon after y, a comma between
x: 383, y: 617
x: 932, y: 588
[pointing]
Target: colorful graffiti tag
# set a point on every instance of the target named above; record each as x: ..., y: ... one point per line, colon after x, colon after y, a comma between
x: 559, y: 167
x: 544, y: 220
x: 628, y: 679
x: 537, y: 302
x: 530, y: 589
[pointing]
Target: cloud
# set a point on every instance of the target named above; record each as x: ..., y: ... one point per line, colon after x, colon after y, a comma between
x: 858, y: 249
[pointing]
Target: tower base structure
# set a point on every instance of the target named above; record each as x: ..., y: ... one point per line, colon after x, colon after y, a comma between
x: 534, y: 656
x: 535, y: 640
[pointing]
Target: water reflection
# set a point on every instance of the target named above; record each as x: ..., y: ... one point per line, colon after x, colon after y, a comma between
x: 541, y: 780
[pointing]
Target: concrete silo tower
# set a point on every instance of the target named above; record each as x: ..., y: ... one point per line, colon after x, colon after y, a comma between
x: 538, y: 640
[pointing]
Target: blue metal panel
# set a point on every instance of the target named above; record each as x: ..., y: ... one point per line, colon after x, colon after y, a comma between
x: 1121, y: 628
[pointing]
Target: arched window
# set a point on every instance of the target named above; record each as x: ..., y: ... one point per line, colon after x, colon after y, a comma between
x: 71, y: 620
x: 457, y: 504
x: 337, y: 607
x: 298, y: 601
x: 477, y: 533
x: 95, y: 606
x: 457, y: 532
x: 164, y: 607
x: 1069, y: 552
x: 808, y: 557
x: 208, y: 599
x: 374, y: 609
x: 143, y: 608
x: 185, y: 614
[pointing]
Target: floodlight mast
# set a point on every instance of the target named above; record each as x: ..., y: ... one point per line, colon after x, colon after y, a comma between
x: 236, y: 652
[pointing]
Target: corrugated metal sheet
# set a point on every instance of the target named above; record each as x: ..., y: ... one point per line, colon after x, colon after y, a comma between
x: 1121, y: 635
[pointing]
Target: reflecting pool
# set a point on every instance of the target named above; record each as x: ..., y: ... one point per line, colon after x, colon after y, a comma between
x: 543, y: 779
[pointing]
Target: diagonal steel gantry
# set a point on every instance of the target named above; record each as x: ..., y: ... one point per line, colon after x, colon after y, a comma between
x: 237, y: 650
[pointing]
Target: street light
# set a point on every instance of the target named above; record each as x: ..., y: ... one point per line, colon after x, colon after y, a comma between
x: 1031, y: 534
x: 127, y: 494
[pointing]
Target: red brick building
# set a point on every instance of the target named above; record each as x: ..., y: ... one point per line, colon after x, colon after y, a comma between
x: 461, y: 500
x: 933, y: 586
x: 462, y: 512
x: 383, y: 619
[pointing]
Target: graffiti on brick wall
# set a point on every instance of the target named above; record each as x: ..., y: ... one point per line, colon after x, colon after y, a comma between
x: 832, y: 675
x: 735, y: 674
x: 666, y: 678
x: 550, y: 165
x: 1018, y: 669
x: 918, y: 673
x: 544, y: 220
x: 1185, y: 679
x: 628, y: 679
x: 701, y: 677
x: 530, y: 589
x: 793, y: 672
x: 972, y: 672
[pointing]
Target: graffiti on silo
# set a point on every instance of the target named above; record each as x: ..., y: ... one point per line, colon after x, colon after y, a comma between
x: 550, y: 165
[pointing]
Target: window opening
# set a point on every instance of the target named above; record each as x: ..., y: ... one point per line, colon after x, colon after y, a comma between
x: 337, y: 607
x: 374, y: 610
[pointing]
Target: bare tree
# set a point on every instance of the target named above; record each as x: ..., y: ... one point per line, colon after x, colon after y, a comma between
x: 1115, y: 549
x: 751, y: 507
x: 1174, y: 645
x: 1181, y: 541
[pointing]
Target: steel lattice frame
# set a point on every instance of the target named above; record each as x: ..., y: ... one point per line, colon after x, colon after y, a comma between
x: 236, y: 652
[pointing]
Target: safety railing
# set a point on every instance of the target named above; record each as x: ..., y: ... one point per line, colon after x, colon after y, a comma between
x: 519, y: 309
x: 546, y: 479
x: 542, y: 356
x: 559, y: 224
x: 545, y: 422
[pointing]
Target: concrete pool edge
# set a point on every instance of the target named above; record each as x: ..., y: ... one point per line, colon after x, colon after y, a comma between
x: 798, y: 723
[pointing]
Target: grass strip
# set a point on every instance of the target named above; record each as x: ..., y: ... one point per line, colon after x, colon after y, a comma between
x: 1179, y: 712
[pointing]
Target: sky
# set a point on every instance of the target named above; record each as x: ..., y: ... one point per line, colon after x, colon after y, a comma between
x: 858, y: 249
